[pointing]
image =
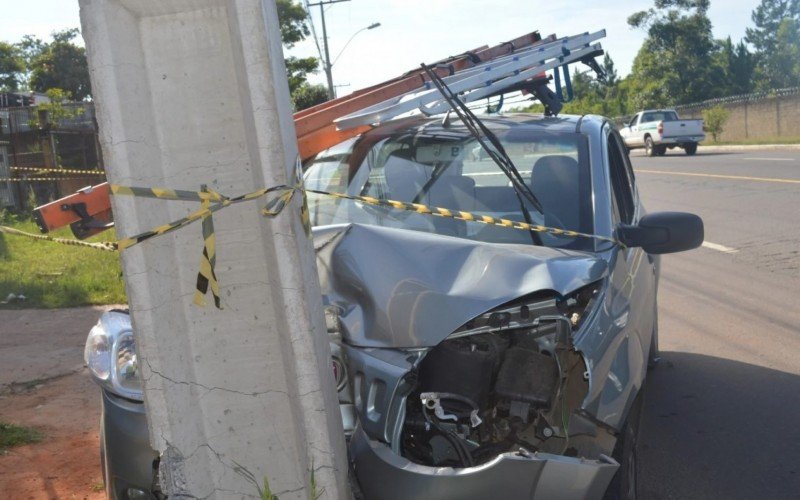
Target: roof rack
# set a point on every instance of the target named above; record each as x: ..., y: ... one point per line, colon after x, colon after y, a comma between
x: 315, y: 128
x: 482, y: 80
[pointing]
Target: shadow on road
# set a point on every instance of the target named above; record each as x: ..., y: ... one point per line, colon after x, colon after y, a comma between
x: 716, y: 428
x: 681, y: 154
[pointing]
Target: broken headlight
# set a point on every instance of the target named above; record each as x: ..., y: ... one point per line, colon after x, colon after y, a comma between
x: 110, y: 354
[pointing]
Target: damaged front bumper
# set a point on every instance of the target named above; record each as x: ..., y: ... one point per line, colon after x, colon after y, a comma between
x: 383, y: 475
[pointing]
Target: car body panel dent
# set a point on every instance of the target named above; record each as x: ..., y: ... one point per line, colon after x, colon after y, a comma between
x: 423, y: 275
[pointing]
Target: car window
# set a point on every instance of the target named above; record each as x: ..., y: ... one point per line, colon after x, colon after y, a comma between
x: 621, y: 175
x: 451, y: 170
x: 660, y: 116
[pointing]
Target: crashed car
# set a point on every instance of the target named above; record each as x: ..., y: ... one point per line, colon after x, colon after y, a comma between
x: 471, y: 359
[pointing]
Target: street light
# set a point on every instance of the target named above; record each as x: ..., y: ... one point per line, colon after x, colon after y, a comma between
x: 329, y: 64
x: 370, y: 27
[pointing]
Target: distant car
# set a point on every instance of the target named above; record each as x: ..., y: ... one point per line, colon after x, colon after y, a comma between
x: 472, y: 360
x: 661, y: 129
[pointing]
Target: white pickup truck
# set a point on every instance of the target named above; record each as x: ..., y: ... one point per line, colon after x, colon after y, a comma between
x: 658, y: 129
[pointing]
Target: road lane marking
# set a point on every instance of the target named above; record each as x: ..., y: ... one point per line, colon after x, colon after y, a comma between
x: 718, y: 176
x: 719, y: 248
x: 769, y: 159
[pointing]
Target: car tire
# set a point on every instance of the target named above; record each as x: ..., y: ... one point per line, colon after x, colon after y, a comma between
x: 691, y: 148
x: 661, y: 150
x: 649, y: 148
x: 653, y: 357
x: 624, y: 484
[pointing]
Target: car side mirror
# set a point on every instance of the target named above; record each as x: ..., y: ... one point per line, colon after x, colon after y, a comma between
x: 664, y: 232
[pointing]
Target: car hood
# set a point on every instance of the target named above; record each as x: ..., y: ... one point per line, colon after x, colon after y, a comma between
x: 399, y: 288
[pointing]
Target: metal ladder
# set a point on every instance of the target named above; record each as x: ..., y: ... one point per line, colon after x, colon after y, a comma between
x: 483, y: 80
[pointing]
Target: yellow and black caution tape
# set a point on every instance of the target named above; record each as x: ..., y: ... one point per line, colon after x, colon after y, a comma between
x: 66, y: 171
x: 211, y: 201
x: 40, y: 179
x: 466, y: 216
x: 108, y: 246
x: 206, y: 277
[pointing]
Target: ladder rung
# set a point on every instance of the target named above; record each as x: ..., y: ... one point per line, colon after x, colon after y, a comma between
x: 483, y: 79
x: 442, y: 106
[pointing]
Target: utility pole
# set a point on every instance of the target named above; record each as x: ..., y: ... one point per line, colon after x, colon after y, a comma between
x: 242, y: 397
x: 327, y: 62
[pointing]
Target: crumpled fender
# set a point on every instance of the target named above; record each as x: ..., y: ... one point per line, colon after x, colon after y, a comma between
x: 399, y: 288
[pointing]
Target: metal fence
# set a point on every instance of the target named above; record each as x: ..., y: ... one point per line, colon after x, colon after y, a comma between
x: 759, y: 116
x: 35, y: 140
x: 741, y: 98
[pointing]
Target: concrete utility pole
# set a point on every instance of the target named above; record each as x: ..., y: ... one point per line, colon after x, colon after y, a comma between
x: 191, y: 93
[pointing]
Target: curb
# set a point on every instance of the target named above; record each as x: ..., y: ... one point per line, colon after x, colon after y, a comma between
x: 751, y: 147
x: 735, y: 148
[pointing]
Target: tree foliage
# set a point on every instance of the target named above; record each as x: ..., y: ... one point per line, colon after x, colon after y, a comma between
x: 767, y: 17
x: 38, y: 65
x: 57, y: 64
x: 677, y: 63
x: 294, y: 28
x: 714, y: 119
x: 11, y: 66
x: 739, y: 66
x: 308, y: 95
x: 776, y: 41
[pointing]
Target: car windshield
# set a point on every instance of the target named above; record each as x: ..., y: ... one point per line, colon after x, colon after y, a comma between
x: 448, y: 168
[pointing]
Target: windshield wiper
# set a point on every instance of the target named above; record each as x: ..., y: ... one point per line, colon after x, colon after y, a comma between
x: 497, y: 152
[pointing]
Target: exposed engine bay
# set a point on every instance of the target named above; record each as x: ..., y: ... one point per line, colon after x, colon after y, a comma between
x: 508, y: 380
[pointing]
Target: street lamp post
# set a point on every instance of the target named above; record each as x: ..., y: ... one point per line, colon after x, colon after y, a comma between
x: 370, y: 27
x: 327, y: 64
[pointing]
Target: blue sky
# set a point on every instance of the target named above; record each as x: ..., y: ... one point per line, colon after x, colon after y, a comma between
x: 415, y: 31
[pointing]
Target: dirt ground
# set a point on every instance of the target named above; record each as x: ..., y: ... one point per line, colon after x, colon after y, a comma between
x: 43, y: 384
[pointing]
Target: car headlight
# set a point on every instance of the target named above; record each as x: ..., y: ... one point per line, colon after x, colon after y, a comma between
x: 110, y: 354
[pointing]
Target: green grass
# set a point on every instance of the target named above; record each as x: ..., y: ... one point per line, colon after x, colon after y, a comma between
x: 753, y: 142
x: 14, y: 435
x: 50, y: 275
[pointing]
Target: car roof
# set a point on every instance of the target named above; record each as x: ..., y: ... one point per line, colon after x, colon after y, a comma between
x: 538, y: 122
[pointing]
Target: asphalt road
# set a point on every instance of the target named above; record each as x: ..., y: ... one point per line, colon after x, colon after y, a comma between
x: 722, y: 411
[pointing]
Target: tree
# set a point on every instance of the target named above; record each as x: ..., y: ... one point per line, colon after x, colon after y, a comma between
x: 62, y: 65
x: 294, y: 28
x: 774, y: 39
x: 59, y: 64
x: 56, y: 111
x: 677, y: 63
x: 784, y: 61
x: 714, y: 119
x: 307, y: 95
x: 11, y: 67
x: 767, y: 17
x: 612, y: 78
x: 739, y: 66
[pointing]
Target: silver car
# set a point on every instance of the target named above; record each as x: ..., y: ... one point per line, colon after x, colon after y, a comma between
x: 472, y: 359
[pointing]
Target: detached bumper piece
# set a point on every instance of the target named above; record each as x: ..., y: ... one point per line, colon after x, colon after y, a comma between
x: 383, y: 475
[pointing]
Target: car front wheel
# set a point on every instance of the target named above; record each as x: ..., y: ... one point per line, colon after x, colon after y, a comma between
x: 624, y: 485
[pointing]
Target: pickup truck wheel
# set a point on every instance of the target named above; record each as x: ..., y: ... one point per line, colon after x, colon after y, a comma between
x: 691, y: 148
x: 661, y: 150
x: 649, y: 147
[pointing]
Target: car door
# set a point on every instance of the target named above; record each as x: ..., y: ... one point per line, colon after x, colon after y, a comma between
x: 632, y: 282
x: 633, y: 137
